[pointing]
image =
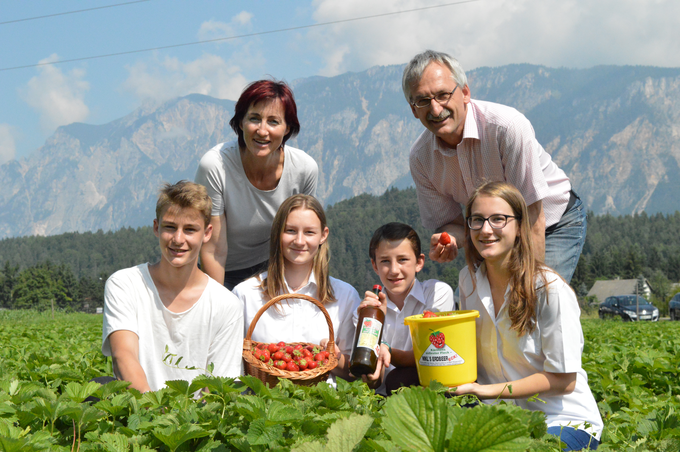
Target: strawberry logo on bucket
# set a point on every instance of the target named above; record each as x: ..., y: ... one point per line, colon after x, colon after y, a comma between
x: 437, y: 339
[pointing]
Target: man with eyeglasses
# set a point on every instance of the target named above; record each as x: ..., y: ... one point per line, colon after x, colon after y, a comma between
x: 468, y: 142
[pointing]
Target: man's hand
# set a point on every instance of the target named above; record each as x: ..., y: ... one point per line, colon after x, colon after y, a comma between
x: 443, y: 248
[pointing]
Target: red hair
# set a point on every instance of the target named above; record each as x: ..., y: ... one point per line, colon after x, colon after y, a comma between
x: 266, y: 90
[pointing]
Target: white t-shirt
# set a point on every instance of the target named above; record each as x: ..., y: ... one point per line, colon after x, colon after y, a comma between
x: 250, y: 211
x: 299, y: 320
x: 555, y: 345
x: 211, y: 331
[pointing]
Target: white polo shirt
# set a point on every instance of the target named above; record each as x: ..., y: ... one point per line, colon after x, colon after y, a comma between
x: 555, y: 345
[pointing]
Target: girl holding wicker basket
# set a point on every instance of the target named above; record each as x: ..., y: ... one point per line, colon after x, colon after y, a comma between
x: 298, y: 264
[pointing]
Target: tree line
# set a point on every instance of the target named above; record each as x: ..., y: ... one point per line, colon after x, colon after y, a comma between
x: 70, y: 269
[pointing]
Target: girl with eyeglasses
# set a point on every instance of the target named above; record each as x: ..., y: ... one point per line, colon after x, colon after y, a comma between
x: 529, y: 336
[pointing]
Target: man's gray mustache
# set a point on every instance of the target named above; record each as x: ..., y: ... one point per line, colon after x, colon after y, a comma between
x: 443, y: 115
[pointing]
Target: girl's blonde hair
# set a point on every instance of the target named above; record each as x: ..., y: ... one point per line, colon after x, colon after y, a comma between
x: 274, y: 284
x: 523, y: 266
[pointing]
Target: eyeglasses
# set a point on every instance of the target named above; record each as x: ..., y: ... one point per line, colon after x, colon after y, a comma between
x: 497, y: 221
x: 441, y: 99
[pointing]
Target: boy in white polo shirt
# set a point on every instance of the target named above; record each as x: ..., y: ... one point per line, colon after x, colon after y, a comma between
x: 396, y: 257
x: 172, y: 303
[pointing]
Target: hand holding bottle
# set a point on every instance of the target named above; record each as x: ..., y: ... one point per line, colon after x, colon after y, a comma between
x: 371, y: 299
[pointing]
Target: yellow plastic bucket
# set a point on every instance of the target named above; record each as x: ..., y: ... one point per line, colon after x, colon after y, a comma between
x: 445, y: 347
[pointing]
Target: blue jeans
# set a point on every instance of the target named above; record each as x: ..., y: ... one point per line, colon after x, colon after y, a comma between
x: 573, y: 438
x: 564, y: 241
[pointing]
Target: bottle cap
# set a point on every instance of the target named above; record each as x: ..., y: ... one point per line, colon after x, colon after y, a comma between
x: 377, y: 287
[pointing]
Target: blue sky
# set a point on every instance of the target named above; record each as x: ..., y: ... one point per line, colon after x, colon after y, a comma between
x: 35, y: 101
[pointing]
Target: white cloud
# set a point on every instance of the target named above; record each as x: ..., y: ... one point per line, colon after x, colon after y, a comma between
x: 57, y: 96
x: 213, y: 29
x: 162, y: 80
x: 571, y: 33
x: 7, y: 147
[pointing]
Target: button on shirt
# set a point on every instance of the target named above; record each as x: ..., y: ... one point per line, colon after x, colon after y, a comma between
x: 498, y: 144
x: 298, y: 320
x: 555, y: 345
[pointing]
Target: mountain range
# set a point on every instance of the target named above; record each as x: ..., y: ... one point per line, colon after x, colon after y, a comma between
x: 614, y: 130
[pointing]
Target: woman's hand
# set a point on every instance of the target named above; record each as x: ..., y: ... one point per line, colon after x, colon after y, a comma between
x: 545, y: 384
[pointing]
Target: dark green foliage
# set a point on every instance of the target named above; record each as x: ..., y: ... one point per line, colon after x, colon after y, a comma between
x: 616, y: 247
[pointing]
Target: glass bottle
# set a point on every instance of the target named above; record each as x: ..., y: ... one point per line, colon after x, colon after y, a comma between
x: 366, y: 346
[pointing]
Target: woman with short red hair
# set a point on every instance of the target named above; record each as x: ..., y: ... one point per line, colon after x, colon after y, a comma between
x: 249, y: 178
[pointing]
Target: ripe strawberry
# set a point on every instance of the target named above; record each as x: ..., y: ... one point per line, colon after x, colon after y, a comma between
x: 261, y: 345
x: 292, y: 367
x: 428, y: 314
x: 316, y: 350
x: 445, y: 238
x: 289, y: 349
x: 307, y: 353
x: 278, y: 355
x: 273, y: 348
x: 298, y: 347
x: 280, y: 364
x: 303, y: 364
x: 319, y: 356
x: 297, y: 354
x: 312, y: 365
x: 281, y: 344
x: 287, y: 357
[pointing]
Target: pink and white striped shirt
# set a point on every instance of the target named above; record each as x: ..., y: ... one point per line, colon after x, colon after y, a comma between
x: 498, y: 144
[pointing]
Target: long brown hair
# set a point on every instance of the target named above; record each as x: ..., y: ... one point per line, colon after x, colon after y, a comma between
x: 523, y: 266
x: 274, y: 284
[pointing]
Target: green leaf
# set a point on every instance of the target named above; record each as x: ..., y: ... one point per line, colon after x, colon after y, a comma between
x: 415, y: 419
x: 281, y: 413
x: 112, y: 387
x: 312, y: 446
x: 256, y: 385
x: 15, y: 444
x: 79, y: 392
x: 488, y: 428
x: 345, y: 434
x: 174, y: 436
x: 115, y: 442
x: 179, y: 386
x: 259, y: 433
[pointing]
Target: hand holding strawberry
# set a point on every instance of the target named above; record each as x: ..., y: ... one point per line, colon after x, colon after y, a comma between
x: 443, y: 247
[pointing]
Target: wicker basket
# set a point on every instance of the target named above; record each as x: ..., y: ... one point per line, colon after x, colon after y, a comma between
x: 270, y: 374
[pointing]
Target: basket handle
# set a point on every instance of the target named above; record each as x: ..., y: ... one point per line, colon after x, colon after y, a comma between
x: 330, y: 347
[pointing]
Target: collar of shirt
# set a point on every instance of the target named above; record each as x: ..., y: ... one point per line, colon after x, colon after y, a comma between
x: 416, y: 293
x: 307, y: 289
x: 484, y: 292
x: 470, y: 131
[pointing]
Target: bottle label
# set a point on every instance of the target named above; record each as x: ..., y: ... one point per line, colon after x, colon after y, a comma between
x: 369, y: 335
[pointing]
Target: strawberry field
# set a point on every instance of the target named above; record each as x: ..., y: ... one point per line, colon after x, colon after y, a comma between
x: 45, y: 365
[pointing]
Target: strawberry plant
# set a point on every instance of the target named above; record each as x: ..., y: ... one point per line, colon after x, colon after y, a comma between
x: 46, y: 365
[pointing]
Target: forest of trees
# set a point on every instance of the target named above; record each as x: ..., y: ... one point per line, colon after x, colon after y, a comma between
x: 70, y: 270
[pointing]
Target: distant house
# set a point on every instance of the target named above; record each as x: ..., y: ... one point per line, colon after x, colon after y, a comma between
x: 603, y: 289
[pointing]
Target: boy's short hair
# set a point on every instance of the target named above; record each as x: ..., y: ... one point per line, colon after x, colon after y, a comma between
x: 391, y: 232
x: 184, y: 194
